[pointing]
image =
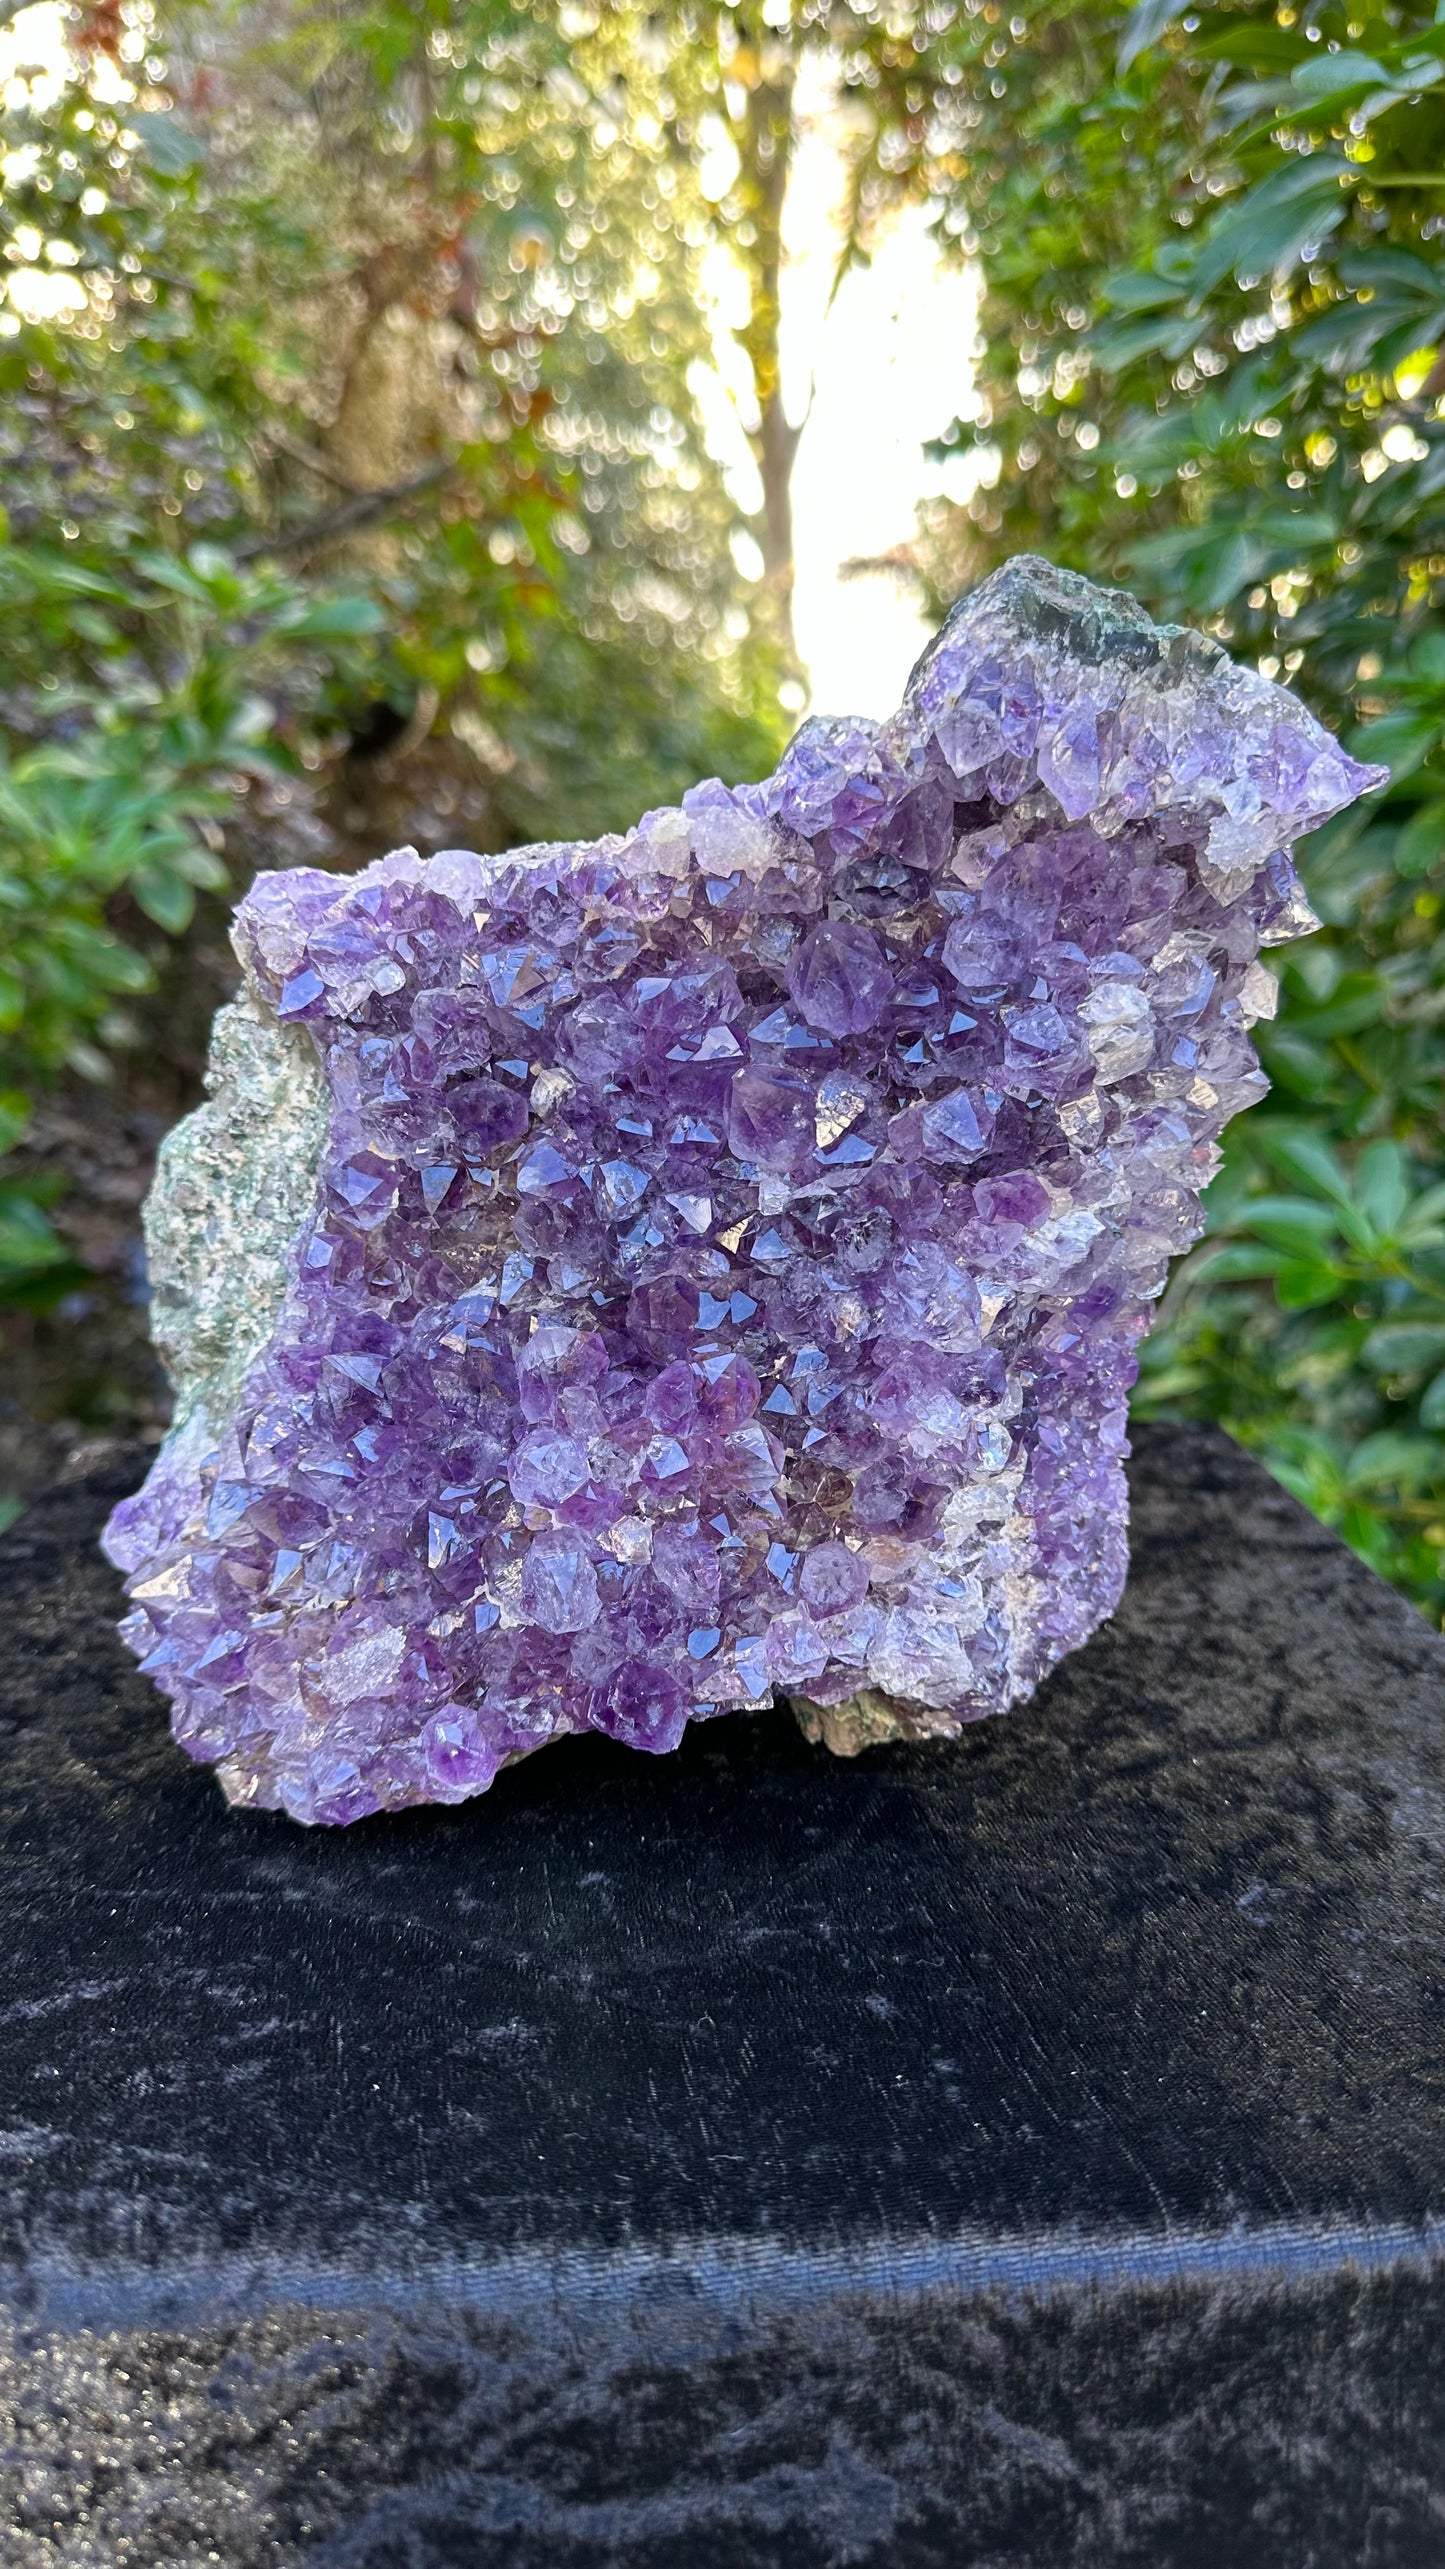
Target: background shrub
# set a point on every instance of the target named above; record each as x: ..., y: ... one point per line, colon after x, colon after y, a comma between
x: 1213, y: 245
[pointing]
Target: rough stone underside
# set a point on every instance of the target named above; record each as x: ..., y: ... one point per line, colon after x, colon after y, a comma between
x: 612, y: 1281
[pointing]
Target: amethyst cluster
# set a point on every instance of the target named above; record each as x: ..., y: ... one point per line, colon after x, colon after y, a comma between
x: 713, y: 1259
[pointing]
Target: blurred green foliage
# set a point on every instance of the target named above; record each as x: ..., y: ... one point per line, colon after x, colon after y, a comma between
x: 1213, y: 247
x: 347, y: 364
x: 344, y: 362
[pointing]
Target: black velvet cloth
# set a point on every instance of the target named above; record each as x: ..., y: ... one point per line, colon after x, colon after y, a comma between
x: 1024, y: 2150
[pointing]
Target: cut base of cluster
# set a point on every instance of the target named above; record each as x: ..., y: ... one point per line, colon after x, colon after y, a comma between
x: 611, y: 1282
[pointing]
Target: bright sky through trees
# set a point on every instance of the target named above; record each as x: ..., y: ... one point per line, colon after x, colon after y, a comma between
x: 888, y: 362
x: 885, y: 362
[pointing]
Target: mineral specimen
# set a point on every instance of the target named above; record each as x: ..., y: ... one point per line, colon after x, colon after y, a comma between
x: 610, y: 1282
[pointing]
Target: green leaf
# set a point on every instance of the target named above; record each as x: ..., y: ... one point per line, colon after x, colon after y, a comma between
x: 1421, y: 843
x: 1427, y: 658
x: 1289, y: 1222
x: 1432, y: 1404
x: 1232, y: 1263
x: 165, y: 897
x: 1295, y: 1063
x: 1303, y: 1284
x: 169, y: 146
x: 1391, y: 1459
x: 1256, y: 43
x: 1376, y: 264
x: 1212, y: 566
x: 1118, y: 346
x: 102, y: 958
x: 1324, y: 75
x: 1142, y: 291
x: 1404, y: 1346
x: 1357, y: 1000
x: 1424, y: 1217
x: 28, y: 1243
x: 178, y: 577
x: 1308, y: 1158
x: 1382, y: 1185
x: 1147, y: 21
x: 1263, y: 232
x: 341, y: 619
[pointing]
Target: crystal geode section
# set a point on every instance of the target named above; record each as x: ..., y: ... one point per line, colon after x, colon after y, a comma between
x: 612, y: 1281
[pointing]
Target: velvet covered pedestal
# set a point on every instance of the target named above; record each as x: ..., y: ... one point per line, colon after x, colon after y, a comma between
x: 1027, y: 2150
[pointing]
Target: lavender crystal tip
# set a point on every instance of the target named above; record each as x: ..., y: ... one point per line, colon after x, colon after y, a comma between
x: 608, y: 1282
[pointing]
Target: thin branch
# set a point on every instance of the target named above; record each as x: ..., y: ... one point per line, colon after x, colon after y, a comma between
x: 900, y: 564
x: 365, y: 510
x: 316, y: 463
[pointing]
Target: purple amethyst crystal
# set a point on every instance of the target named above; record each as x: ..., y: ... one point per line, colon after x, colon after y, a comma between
x: 610, y: 1282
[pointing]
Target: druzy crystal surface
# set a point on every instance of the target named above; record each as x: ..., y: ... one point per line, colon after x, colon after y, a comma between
x: 612, y: 1282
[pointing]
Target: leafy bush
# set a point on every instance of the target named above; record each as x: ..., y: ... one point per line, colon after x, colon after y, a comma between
x: 343, y: 360
x: 1214, y: 253
x: 119, y: 796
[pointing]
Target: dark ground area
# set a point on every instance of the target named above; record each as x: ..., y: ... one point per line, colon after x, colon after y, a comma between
x: 1021, y: 2151
x: 78, y: 1375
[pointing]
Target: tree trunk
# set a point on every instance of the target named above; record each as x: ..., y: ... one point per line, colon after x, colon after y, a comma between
x: 764, y: 64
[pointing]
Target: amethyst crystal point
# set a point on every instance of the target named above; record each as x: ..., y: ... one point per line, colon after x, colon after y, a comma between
x: 610, y: 1282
